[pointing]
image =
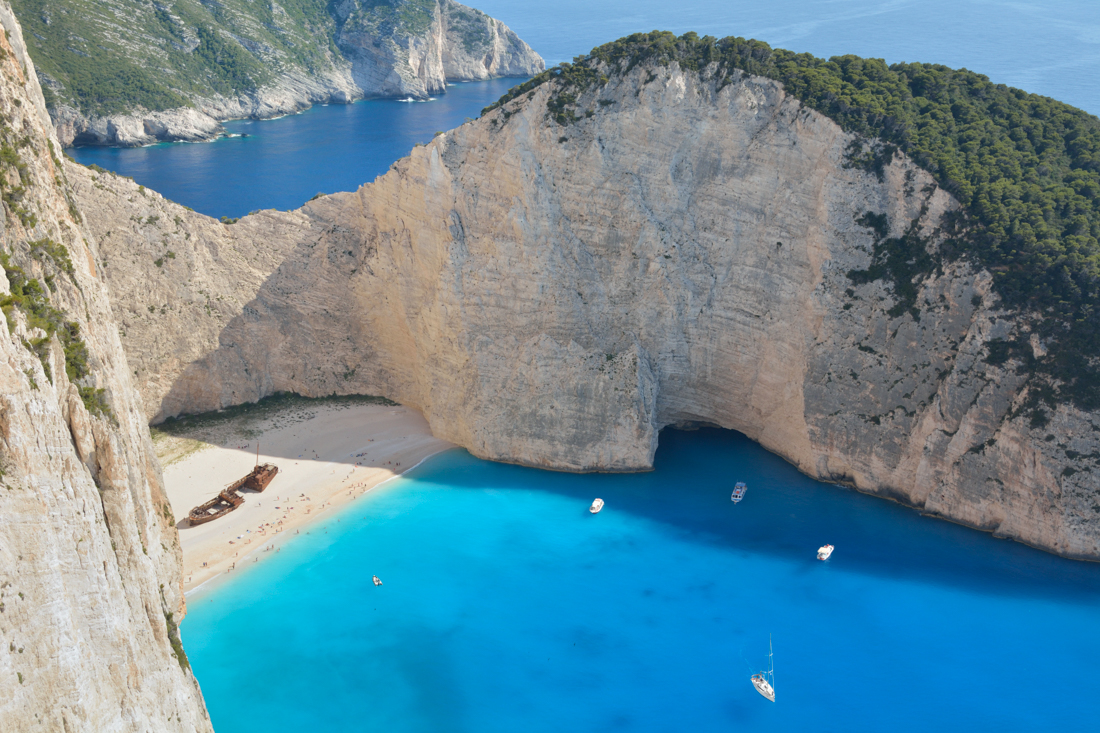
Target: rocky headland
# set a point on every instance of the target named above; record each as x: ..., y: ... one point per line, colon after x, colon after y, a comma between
x: 238, y: 59
x: 555, y: 282
x: 624, y: 244
x: 90, y: 584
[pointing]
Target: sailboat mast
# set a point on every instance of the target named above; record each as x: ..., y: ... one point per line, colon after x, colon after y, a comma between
x: 771, y: 660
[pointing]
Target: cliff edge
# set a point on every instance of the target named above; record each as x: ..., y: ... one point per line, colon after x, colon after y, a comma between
x: 555, y: 282
x: 90, y: 586
x: 175, y: 71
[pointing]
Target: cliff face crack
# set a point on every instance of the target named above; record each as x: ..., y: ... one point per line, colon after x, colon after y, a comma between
x: 506, y: 266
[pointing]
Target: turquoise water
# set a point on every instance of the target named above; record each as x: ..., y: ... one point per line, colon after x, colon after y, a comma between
x: 1050, y: 48
x: 506, y: 606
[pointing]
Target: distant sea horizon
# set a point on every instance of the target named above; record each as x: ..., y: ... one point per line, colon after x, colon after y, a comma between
x: 1051, y: 49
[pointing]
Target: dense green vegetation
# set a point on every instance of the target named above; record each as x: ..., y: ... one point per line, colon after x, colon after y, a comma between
x: 32, y: 299
x: 1025, y: 167
x: 162, y: 54
x: 174, y: 640
x: 116, y: 56
x: 472, y: 28
x: 401, y: 17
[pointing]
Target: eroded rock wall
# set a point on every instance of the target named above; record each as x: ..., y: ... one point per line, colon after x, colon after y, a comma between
x: 90, y: 562
x: 421, y: 46
x: 406, y: 48
x: 555, y: 295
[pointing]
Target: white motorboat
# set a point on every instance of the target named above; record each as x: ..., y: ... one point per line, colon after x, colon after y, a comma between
x: 597, y: 505
x: 764, y: 682
x: 824, y: 552
x: 739, y: 490
x: 376, y: 580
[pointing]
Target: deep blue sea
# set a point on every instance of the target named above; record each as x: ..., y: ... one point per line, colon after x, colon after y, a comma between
x: 506, y: 606
x: 1050, y: 47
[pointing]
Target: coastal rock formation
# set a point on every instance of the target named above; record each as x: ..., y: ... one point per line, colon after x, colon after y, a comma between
x: 90, y: 586
x: 240, y: 59
x: 554, y: 295
x: 292, y: 93
x: 416, y: 56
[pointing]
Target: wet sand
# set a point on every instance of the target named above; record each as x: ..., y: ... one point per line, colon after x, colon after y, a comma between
x: 327, y: 456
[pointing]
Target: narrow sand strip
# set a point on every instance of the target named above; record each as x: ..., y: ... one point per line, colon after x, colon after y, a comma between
x: 325, y: 460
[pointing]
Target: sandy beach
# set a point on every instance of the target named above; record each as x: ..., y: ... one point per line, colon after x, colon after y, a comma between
x: 328, y: 454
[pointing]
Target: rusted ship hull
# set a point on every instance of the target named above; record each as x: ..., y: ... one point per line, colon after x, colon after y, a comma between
x: 260, y: 477
x: 219, y: 506
x: 228, y: 499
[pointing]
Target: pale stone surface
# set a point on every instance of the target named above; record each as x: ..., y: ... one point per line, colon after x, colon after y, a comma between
x: 555, y: 295
x: 89, y: 554
x: 460, y: 44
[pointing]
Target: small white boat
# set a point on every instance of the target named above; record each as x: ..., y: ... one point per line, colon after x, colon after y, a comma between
x: 764, y: 682
x: 597, y: 505
x: 824, y: 552
x: 739, y: 490
x: 376, y: 580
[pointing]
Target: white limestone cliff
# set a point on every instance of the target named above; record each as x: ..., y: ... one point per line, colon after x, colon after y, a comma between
x: 554, y: 296
x: 90, y: 590
x: 375, y: 55
x: 417, y: 59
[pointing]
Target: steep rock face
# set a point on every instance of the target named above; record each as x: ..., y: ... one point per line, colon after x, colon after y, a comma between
x: 555, y: 295
x: 414, y: 49
x: 121, y: 72
x: 291, y: 93
x: 478, y: 47
x: 90, y: 589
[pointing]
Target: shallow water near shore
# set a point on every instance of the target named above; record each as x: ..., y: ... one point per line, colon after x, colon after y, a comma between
x: 506, y: 606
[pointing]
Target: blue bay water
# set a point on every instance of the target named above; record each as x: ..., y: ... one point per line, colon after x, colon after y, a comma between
x: 282, y: 163
x: 1050, y: 48
x: 506, y: 606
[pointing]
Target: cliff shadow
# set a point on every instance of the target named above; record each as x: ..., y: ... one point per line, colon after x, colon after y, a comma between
x: 788, y: 515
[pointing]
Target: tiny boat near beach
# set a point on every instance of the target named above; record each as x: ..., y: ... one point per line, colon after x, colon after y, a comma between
x: 824, y: 552
x: 376, y: 580
x: 764, y: 682
x: 597, y: 505
x: 739, y: 490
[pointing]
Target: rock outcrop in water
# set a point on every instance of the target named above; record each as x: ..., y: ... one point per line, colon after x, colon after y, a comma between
x: 90, y: 590
x: 175, y: 71
x: 554, y: 296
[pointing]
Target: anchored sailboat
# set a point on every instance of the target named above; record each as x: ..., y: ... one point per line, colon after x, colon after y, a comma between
x: 764, y: 682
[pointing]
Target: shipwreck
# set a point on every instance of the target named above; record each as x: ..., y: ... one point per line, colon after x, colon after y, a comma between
x: 229, y: 498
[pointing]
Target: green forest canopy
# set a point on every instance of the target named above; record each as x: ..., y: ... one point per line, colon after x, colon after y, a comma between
x: 1025, y: 167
